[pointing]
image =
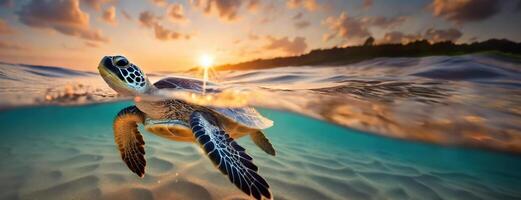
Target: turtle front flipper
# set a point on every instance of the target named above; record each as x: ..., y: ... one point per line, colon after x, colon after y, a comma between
x: 227, y: 155
x: 129, y: 140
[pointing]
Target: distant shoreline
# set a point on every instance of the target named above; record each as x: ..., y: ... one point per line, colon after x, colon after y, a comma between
x: 353, y: 54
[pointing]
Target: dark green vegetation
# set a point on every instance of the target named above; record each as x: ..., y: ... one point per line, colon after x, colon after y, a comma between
x: 352, y: 54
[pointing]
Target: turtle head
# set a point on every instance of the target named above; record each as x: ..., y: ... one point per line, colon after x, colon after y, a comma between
x: 123, y: 76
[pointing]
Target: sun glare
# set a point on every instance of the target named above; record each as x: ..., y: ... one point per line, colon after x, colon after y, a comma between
x: 206, y: 61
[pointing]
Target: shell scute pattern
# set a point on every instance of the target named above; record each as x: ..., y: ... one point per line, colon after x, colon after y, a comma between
x: 181, y: 109
x: 246, y: 116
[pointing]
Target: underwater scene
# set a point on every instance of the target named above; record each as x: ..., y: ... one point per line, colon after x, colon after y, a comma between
x: 400, y: 132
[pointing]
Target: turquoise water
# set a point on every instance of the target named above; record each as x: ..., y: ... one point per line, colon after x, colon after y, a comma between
x: 58, y: 152
x: 455, y: 121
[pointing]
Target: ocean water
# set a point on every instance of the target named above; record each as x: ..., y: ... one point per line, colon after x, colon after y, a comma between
x: 388, y: 128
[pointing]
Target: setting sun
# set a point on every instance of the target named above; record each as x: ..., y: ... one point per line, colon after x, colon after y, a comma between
x: 206, y: 61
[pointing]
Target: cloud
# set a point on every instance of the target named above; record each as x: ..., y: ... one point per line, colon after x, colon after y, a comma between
x: 302, y: 24
x: 270, y: 13
x: 297, y: 46
x: 6, y: 3
x: 159, y: 3
x: 356, y: 28
x: 431, y: 34
x: 63, y: 16
x: 461, y: 11
x: 126, y: 15
x: 328, y: 36
x: 227, y: 10
x: 164, y: 34
x: 5, y: 28
x: 149, y: 20
x: 253, y: 5
x: 383, y: 22
x: 397, y: 37
x: 95, y: 4
x: 345, y: 27
x: 439, y: 35
x: 109, y: 15
x: 367, y: 4
x: 310, y: 5
x: 12, y: 46
x: 297, y: 16
x: 175, y: 13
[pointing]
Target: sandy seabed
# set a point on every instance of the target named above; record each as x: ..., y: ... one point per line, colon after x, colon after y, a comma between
x: 315, y: 160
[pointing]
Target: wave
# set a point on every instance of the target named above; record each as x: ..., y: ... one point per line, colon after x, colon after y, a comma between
x: 470, y: 100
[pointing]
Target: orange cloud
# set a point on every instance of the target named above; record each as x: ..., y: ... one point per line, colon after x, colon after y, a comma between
x: 149, y: 20
x: 460, y: 11
x: 345, y: 27
x: 95, y: 4
x: 439, y: 35
x: 310, y: 5
x: 109, y: 15
x: 175, y: 13
x: 253, y: 5
x: 165, y: 34
x: 65, y: 17
x: 297, y: 46
x: 227, y: 10
x: 356, y: 28
x: 397, y: 37
x: 159, y: 3
x: 383, y: 22
x: 431, y: 34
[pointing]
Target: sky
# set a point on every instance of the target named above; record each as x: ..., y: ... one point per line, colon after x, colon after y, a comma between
x: 170, y: 35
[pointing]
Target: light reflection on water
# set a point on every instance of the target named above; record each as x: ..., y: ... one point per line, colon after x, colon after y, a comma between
x: 471, y: 100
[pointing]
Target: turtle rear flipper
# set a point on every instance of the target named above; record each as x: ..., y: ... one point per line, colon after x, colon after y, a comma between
x: 129, y: 140
x: 228, y: 156
x: 262, y: 142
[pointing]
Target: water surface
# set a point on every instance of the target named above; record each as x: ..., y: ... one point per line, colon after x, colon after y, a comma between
x: 451, y: 129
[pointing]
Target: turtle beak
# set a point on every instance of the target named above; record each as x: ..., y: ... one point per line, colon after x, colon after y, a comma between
x: 112, y: 76
x: 107, y: 71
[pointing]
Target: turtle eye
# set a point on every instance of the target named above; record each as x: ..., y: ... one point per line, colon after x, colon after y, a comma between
x: 120, y: 61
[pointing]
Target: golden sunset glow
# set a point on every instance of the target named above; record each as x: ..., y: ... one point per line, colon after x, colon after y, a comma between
x: 206, y: 61
x: 166, y: 35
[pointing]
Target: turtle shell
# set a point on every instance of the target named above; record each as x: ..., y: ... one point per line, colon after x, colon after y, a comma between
x: 246, y: 116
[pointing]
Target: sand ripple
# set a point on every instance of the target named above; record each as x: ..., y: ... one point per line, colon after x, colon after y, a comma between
x: 308, y: 165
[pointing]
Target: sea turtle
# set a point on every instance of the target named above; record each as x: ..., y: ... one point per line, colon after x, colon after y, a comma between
x: 213, y: 128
